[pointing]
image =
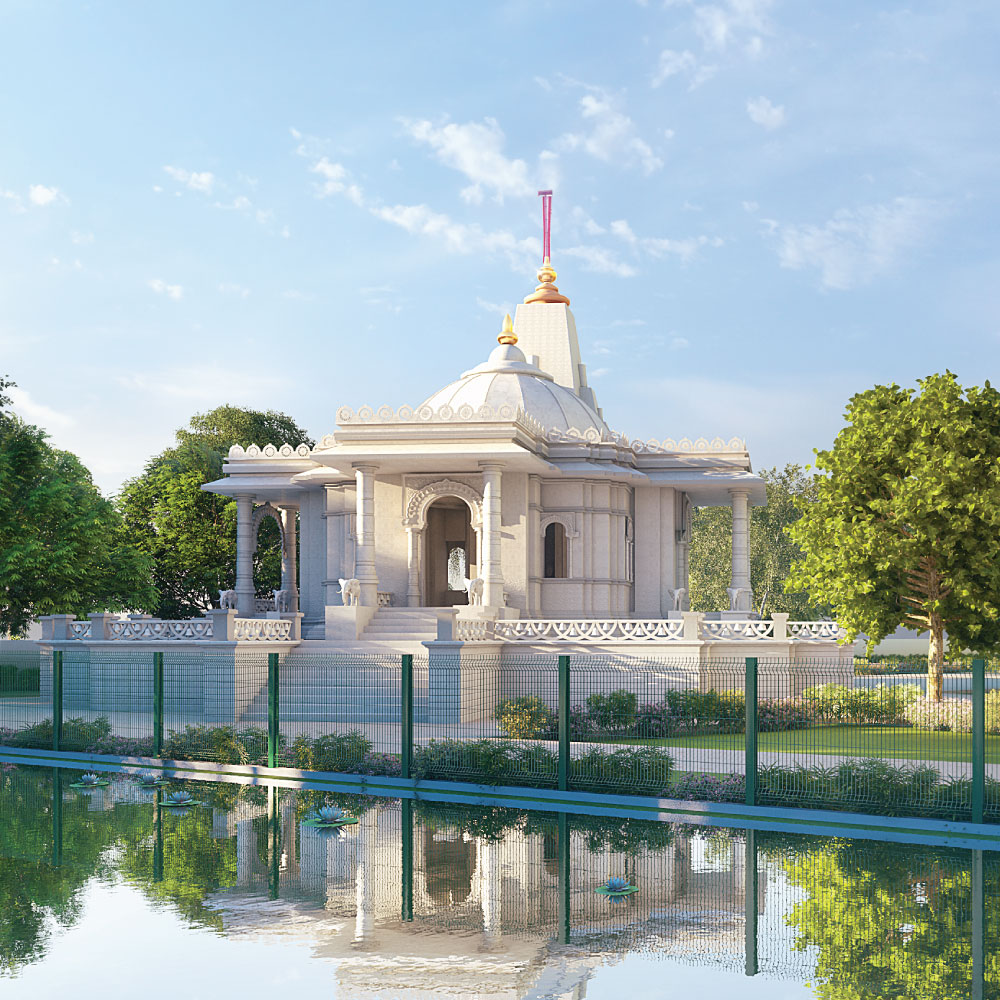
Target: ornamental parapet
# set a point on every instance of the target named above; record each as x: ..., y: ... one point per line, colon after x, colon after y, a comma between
x: 108, y: 629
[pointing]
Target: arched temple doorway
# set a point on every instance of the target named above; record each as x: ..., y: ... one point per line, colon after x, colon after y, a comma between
x: 450, y: 554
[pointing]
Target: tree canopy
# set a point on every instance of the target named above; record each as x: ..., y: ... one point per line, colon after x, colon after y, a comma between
x: 772, y: 552
x: 190, y: 535
x: 904, y: 528
x: 63, y: 547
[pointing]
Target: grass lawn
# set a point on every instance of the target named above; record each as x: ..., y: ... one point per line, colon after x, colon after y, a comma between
x: 853, y: 741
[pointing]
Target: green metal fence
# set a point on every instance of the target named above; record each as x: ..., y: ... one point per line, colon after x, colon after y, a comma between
x: 755, y: 731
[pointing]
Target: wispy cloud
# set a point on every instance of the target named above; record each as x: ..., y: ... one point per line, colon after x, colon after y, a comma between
x: 661, y: 246
x: 601, y: 260
x: 732, y: 23
x: 609, y: 135
x: 159, y: 286
x: 40, y: 195
x: 762, y: 112
x: 336, y: 181
x: 202, y: 181
x: 682, y: 64
x: 231, y: 288
x: 857, y: 244
x: 475, y: 149
x: 38, y: 413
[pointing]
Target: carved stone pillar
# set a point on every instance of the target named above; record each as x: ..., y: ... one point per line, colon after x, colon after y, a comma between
x: 364, y: 551
x: 245, y: 591
x: 740, y: 594
x: 414, y: 540
x: 491, y: 571
x: 288, y: 547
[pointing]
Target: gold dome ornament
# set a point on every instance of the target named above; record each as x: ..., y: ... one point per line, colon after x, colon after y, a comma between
x: 507, y: 335
x: 546, y: 290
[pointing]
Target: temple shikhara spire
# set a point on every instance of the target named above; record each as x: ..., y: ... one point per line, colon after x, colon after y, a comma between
x: 507, y: 335
x: 546, y: 290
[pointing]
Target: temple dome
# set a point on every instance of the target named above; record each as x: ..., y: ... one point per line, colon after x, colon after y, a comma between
x: 507, y: 378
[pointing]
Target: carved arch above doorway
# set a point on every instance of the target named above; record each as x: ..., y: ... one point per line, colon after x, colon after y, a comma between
x: 420, y: 501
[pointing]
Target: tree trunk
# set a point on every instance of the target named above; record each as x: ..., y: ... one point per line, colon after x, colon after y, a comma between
x: 935, y: 659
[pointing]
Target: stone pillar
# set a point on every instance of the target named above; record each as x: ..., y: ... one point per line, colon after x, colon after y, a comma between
x: 491, y: 571
x: 741, y: 596
x: 245, y: 591
x: 364, y: 551
x: 414, y: 538
x: 288, y: 546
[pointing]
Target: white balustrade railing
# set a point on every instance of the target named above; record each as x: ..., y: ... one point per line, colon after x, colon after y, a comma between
x: 815, y: 630
x: 261, y: 605
x: 474, y: 630
x: 262, y: 629
x: 78, y: 630
x: 589, y: 630
x: 749, y: 629
x: 194, y: 628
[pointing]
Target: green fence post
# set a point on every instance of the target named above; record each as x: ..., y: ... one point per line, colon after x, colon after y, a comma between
x: 978, y: 739
x: 57, y: 821
x: 157, y: 704
x: 406, y: 716
x: 978, y: 927
x: 750, y: 902
x: 158, y: 837
x: 273, y: 729
x: 563, y: 723
x: 407, y: 858
x: 273, y: 843
x: 57, y: 699
x: 564, y: 885
x: 751, y: 730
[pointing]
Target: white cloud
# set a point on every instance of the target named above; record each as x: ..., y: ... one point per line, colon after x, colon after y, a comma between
x: 40, y: 195
x: 671, y: 63
x: 658, y: 246
x: 82, y: 239
x: 159, y: 286
x: 197, y: 181
x: 16, y: 204
x: 750, y: 206
x: 475, y: 149
x: 493, y: 307
x: 38, y: 413
x: 335, y: 181
x: 230, y: 288
x: 762, y: 112
x: 611, y: 136
x: 598, y: 372
x: 296, y: 296
x: 601, y: 260
x: 856, y: 244
x: 733, y: 22
x: 679, y: 343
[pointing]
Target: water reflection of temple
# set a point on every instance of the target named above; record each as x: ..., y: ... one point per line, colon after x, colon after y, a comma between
x: 415, y: 906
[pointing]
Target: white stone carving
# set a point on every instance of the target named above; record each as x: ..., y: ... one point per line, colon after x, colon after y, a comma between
x: 474, y: 630
x: 79, y: 630
x: 385, y: 598
x: 194, y: 628
x: 262, y: 630
x: 589, y: 630
x: 677, y: 596
x: 351, y: 591
x: 738, y: 630
x: 816, y: 630
x: 420, y: 500
x: 474, y: 588
x: 282, y: 600
x: 734, y: 596
x: 227, y: 600
x: 262, y: 605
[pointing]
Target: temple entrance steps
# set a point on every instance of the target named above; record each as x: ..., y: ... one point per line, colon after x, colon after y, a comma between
x: 401, y: 625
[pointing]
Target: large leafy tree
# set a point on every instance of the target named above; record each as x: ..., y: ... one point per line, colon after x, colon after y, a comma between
x: 189, y: 534
x: 905, y: 525
x: 772, y: 552
x: 63, y: 547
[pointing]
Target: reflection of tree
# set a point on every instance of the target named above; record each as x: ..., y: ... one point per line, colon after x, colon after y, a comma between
x: 32, y: 890
x: 890, y: 922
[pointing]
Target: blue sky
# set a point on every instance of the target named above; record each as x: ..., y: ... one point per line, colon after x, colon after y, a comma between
x: 760, y: 207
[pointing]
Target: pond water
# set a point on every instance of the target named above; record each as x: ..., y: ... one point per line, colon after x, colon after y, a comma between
x: 108, y: 892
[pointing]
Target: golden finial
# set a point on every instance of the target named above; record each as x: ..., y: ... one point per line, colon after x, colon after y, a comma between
x: 546, y: 290
x: 507, y: 335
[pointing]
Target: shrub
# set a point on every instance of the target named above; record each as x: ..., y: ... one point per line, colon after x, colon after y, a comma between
x: 625, y: 771
x: 882, y: 705
x: 778, y: 714
x: 707, y: 788
x: 952, y: 715
x: 489, y: 762
x: 332, y: 752
x: 221, y: 744
x: 527, y: 718
x: 8, y: 676
x: 615, y: 712
x: 29, y: 679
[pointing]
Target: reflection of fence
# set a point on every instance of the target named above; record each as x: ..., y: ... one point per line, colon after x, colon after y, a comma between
x: 774, y: 732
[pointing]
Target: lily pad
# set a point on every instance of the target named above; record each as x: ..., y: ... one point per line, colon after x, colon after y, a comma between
x: 182, y: 805
x: 603, y: 890
x: 89, y: 784
x: 320, y: 825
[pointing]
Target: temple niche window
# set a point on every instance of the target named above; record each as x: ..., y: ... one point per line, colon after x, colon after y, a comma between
x: 458, y: 567
x: 555, y: 551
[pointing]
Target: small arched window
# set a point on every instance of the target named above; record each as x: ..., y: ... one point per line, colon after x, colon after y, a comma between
x: 555, y: 551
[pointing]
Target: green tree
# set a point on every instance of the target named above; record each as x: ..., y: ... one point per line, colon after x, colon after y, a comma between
x: 772, y: 552
x: 904, y: 526
x: 63, y: 547
x: 189, y: 534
